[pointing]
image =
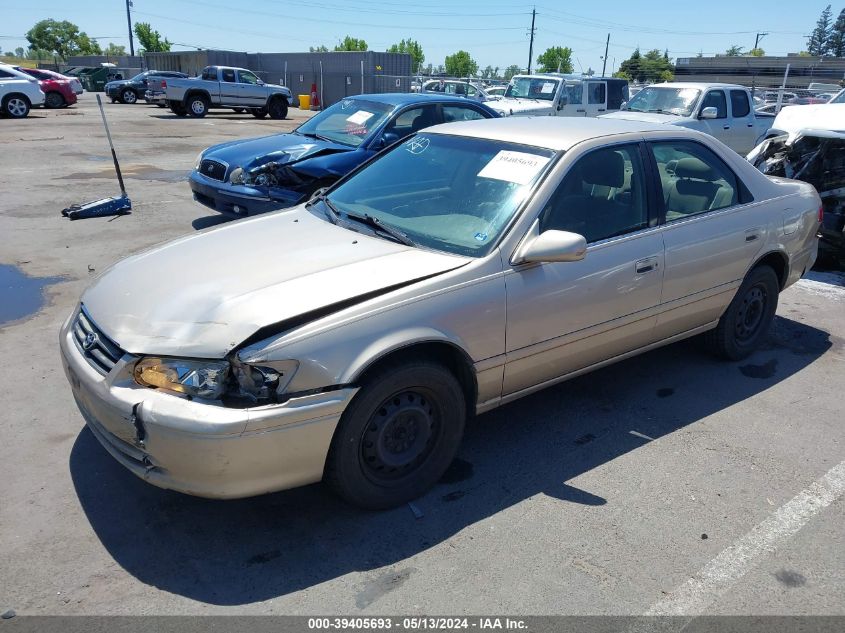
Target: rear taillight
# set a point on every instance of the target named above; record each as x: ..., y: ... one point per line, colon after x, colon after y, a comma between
x: 163, y: 84
x: 821, y: 213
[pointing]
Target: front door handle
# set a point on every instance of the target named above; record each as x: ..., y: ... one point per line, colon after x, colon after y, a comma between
x: 752, y: 235
x: 581, y: 110
x: 646, y: 265
x: 726, y: 127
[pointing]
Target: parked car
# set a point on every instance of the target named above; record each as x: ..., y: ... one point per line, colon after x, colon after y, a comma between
x: 227, y: 87
x: 556, y: 94
x: 839, y: 97
x: 156, y: 92
x: 132, y: 90
x: 456, y: 87
x: 348, y: 339
x: 722, y: 110
x: 250, y: 176
x: 58, y: 89
x: 496, y: 92
x: 18, y: 92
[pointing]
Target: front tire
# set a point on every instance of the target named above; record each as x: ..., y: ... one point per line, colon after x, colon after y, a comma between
x: 128, y: 96
x: 278, y: 108
x: 54, y: 100
x: 398, y: 435
x: 16, y: 106
x: 198, y: 106
x: 746, y: 322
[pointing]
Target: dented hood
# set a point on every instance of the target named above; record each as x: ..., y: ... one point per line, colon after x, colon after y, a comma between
x: 514, y: 106
x: 278, y: 148
x: 202, y: 295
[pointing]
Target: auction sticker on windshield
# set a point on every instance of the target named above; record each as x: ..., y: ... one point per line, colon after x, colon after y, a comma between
x: 360, y: 117
x: 516, y: 167
x: 548, y: 87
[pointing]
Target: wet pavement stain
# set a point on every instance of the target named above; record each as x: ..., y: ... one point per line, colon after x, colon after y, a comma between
x: 452, y: 496
x: 665, y: 392
x: 791, y: 578
x: 264, y: 557
x: 20, y: 295
x: 766, y: 370
x: 459, y: 470
x: 585, y: 439
x: 378, y: 587
x: 138, y: 172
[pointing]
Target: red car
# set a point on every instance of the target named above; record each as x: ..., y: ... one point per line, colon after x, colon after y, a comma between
x: 58, y: 89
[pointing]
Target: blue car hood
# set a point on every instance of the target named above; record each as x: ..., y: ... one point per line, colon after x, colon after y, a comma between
x: 278, y: 148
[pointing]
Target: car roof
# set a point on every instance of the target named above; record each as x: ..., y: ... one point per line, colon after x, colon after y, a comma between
x: 405, y: 98
x: 701, y: 85
x: 555, y: 133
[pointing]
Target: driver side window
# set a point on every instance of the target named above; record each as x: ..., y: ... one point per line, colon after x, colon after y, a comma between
x: 602, y: 196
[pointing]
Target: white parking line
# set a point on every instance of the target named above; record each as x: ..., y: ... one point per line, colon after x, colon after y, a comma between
x: 720, y: 574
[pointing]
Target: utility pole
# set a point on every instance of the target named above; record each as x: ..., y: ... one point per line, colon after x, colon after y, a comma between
x: 129, y: 24
x: 531, y: 45
x: 757, y: 39
x: 606, y: 46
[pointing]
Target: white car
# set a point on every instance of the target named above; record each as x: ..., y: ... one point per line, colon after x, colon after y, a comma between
x: 18, y: 92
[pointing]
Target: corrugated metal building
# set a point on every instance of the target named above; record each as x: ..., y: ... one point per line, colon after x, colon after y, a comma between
x: 336, y: 74
x: 761, y: 71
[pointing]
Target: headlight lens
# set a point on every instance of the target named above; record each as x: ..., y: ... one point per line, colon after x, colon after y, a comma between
x: 240, y: 177
x: 265, y: 383
x: 198, y: 161
x: 201, y: 379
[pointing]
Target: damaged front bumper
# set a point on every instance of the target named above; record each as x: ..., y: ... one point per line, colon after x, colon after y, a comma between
x: 199, y: 448
x: 241, y: 200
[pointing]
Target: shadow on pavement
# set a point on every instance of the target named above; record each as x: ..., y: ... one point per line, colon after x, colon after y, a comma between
x: 244, y: 551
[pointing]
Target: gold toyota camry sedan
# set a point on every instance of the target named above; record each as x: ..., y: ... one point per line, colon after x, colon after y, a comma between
x: 348, y: 339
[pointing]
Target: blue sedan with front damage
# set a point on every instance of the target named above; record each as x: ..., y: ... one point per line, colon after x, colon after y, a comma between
x: 256, y: 175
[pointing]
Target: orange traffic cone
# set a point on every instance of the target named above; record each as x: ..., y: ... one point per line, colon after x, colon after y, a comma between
x: 315, y: 100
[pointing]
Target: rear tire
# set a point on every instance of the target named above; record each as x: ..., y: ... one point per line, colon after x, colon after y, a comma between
x: 128, y: 96
x: 746, y: 322
x: 54, y: 100
x: 16, y: 106
x: 398, y: 435
x: 197, y: 106
x: 258, y: 113
x: 278, y: 108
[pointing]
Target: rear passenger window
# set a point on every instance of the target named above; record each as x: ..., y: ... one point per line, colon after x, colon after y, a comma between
x: 739, y: 103
x: 596, y: 93
x: 456, y: 113
x: 229, y: 75
x: 601, y: 196
x: 694, y: 179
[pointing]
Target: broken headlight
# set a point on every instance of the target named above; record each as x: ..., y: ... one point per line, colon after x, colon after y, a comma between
x: 197, y: 378
x: 262, y: 176
x: 262, y: 384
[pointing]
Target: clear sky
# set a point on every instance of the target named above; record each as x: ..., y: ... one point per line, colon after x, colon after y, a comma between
x: 495, y: 32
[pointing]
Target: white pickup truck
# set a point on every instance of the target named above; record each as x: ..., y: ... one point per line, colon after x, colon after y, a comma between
x: 227, y: 87
x: 556, y: 94
x: 720, y: 110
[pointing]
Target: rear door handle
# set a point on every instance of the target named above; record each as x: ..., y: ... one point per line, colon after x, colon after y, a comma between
x: 752, y: 235
x: 581, y: 110
x: 602, y: 109
x: 646, y: 265
x: 726, y: 127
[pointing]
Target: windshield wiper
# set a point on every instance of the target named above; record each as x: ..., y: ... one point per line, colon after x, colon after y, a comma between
x: 659, y: 111
x: 377, y: 224
x: 331, y: 212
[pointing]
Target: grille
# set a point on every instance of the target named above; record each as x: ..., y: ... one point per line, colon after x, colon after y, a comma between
x: 213, y: 169
x: 95, y: 346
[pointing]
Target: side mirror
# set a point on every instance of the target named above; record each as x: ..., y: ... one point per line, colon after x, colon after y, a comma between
x: 386, y: 139
x: 551, y: 246
x: 260, y: 82
x: 709, y: 113
x: 623, y: 105
x: 564, y: 100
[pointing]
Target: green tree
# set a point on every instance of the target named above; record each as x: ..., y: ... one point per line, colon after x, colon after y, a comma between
x: 734, y: 51
x: 512, y: 70
x: 836, y: 41
x: 151, y: 41
x: 460, y: 65
x: 114, y: 50
x: 818, y: 43
x: 621, y: 74
x: 666, y: 75
x: 556, y: 57
x: 39, y: 54
x: 322, y: 48
x: 653, y: 66
x: 61, y: 38
x: 19, y: 51
x: 632, y: 66
x: 757, y: 52
x: 351, y: 44
x: 413, y: 48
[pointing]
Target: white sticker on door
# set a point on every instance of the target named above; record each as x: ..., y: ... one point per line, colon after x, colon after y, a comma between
x: 516, y: 167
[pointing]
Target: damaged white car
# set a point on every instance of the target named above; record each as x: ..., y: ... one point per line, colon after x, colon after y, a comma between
x: 348, y: 339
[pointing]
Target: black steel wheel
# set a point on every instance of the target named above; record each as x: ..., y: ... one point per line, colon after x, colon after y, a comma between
x: 54, y: 100
x: 278, y: 108
x: 398, y: 435
x: 746, y: 322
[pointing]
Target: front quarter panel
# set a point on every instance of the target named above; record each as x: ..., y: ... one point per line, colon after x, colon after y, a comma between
x: 464, y: 308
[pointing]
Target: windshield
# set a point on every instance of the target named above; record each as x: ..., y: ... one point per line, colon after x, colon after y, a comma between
x: 451, y: 193
x: 840, y: 98
x: 348, y: 122
x: 139, y: 77
x: 532, y: 88
x: 680, y: 101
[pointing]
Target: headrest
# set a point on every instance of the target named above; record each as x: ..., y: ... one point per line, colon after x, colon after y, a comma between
x: 606, y: 169
x: 691, y: 167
